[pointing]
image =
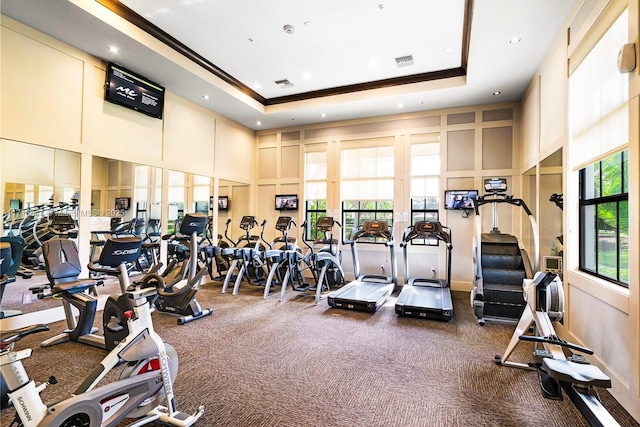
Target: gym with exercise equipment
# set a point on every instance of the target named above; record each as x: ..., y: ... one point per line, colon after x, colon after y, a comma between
x: 319, y: 214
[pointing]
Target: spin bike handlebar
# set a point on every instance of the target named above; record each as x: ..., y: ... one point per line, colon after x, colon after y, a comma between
x: 553, y: 339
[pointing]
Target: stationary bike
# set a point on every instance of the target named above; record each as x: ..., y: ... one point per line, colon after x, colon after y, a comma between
x: 178, y: 284
x: 63, y: 268
x: 146, y: 380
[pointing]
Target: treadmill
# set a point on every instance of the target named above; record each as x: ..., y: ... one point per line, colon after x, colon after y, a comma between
x: 420, y: 297
x: 368, y: 291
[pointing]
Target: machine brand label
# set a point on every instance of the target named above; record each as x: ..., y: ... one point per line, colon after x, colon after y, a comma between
x: 125, y: 251
x: 24, y: 408
x: 110, y: 407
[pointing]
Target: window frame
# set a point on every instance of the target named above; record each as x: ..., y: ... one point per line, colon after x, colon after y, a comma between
x: 596, y: 201
x: 359, y: 211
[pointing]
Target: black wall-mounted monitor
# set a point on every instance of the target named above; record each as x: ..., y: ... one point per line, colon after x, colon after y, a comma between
x: 223, y: 203
x: 123, y: 203
x: 15, y: 204
x: 459, y: 199
x: 123, y: 87
x: 286, y: 202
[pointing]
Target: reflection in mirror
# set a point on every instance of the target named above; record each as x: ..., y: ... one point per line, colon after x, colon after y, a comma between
x: 125, y: 199
x: 551, y: 239
x: 237, y: 199
x: 529, y: 195
x: 40, y: 194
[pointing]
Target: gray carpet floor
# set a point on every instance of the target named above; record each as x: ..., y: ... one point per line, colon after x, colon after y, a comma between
x: 258, y: 362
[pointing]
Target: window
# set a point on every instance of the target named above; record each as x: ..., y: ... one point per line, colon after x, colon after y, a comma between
x: 604, y: 219
x: 367, y: 182
x: 425, y: 185
x: 599, y: 118
x: 354, y: 214
x: 201, y: 190
x: 315, y: 184
x: 175, y: 198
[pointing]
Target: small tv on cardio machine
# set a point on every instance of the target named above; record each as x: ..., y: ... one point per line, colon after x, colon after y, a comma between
x: 459, y: 199
x: 286, y: 202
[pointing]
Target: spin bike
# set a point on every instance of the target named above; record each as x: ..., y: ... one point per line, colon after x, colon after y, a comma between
x: 558, y: 367
x: 146, y: 380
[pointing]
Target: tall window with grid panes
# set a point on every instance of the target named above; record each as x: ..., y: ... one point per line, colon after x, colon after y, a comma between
x: 315, y: 188
x: 367, y: 178
x: 425, y: 184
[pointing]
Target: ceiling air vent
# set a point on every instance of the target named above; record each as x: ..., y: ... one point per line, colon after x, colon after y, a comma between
x: 404, y: 61
x: 284, y: 83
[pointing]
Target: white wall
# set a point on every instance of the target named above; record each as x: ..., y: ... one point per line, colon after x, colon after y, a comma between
x: 600, y: 315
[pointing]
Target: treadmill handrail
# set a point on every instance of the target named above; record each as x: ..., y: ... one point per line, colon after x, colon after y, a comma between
x: 444, y: 235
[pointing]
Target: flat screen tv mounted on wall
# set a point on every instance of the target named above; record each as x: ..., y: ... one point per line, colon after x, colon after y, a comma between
x: 286, y: 202
x: 223, y: 203
x: 124, y: 87
x: 459, y: 199
x: 123, y: 203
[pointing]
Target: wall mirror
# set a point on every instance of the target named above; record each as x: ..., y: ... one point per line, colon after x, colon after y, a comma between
x: 551, y: 233
x: 37, y: 182
x: 126, y: 197
x: 233, y: 203
x: 530, y: 197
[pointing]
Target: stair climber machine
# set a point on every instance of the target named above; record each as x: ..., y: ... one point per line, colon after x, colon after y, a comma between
x: 499, y: 262
x: 422, y: 297
x: 368, y: 291
x: 180, y: 281
x: 558, y: 367
x: 247, y: 253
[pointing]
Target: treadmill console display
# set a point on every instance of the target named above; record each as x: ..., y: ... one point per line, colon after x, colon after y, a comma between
x: 375, y: 227
x: 427, y: 228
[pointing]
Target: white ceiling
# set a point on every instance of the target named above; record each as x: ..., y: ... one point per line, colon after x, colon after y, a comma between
x: 337, y: 46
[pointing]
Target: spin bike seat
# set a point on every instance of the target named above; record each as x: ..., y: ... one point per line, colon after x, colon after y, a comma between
x: 575, y: 373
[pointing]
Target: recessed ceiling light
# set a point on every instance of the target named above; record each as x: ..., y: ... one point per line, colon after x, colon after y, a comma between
x: 113, y: 49
x: 257, y: 85
x: 448, y: 50
x: 289, y: 29
x: 306, y: 76
x: 259, y: 123
x: 373, y: 63
x: 206, y: 97
x: 307, y: 23
x: 250, y: 40
x: 497, y: 92
x: 515, y: 40
x: 381, y: 6
x: 399, y: 104
x: 323, y: 115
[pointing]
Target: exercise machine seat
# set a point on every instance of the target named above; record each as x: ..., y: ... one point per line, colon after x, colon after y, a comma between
x: 63, y: 266
x: 575, y: 373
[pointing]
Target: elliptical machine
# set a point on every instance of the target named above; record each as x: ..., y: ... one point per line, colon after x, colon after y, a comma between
x: 178, y: 284
x: 247, y: 256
